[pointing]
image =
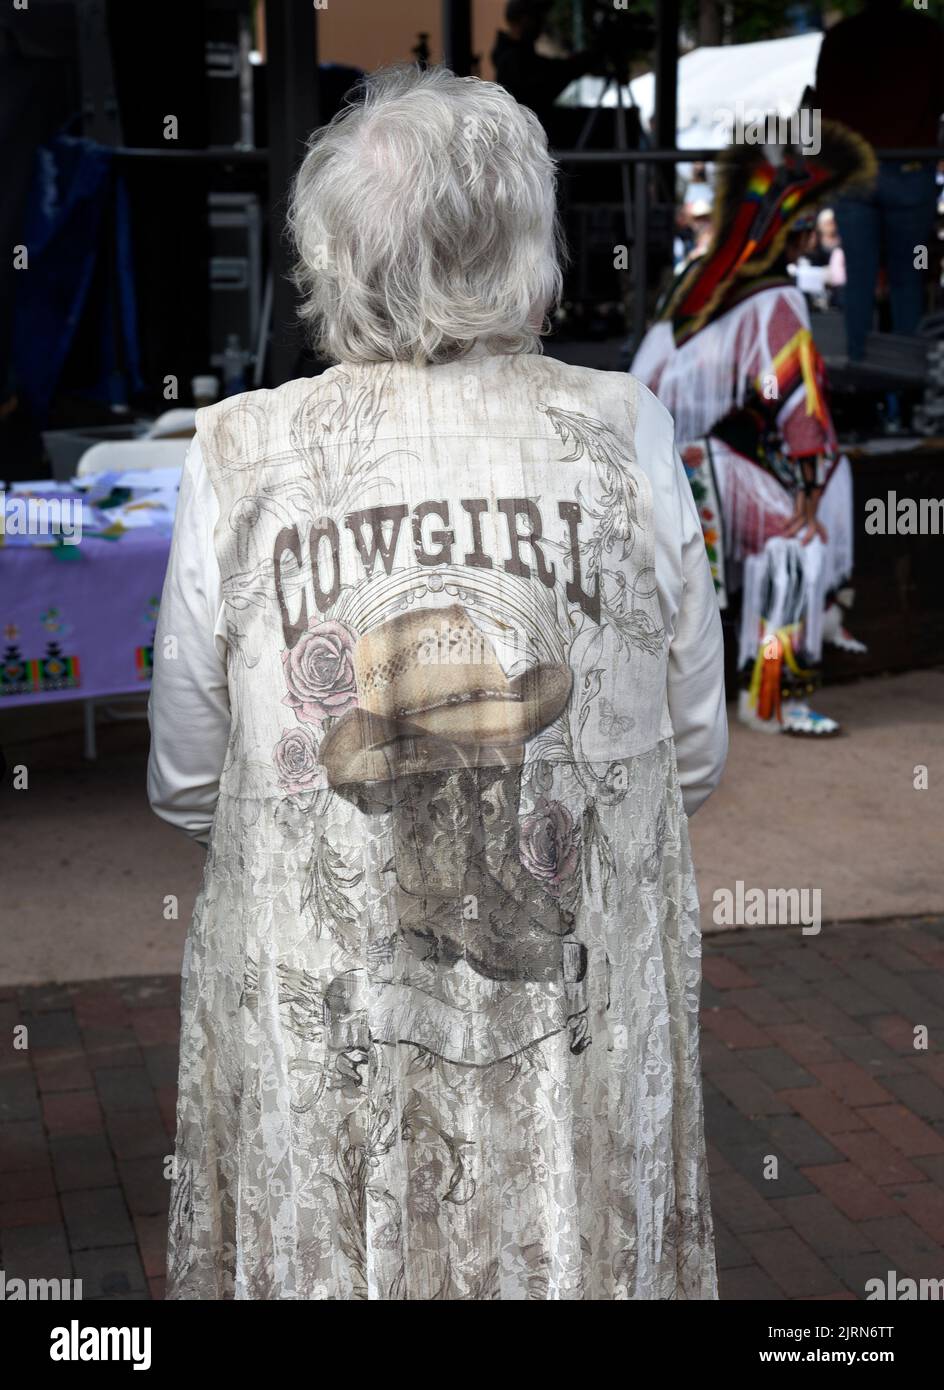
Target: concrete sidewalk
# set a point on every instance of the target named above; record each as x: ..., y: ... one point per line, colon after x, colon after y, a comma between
x: 87, y: 868
x: 842, y: 815
x: 808, y: 1058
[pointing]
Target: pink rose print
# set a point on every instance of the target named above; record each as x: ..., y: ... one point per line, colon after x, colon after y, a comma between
x: 548, y: 844
x: 297, y: 763
x: 319, y: 672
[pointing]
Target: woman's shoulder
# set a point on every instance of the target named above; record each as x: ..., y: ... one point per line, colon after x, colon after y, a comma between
x: 616, y: 400
x: 255, y: 422
x: 615, y: 387
x: 251, y: 424
x: 265, y: 399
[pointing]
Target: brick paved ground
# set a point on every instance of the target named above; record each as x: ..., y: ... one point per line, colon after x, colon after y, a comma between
x: 809, y: 1058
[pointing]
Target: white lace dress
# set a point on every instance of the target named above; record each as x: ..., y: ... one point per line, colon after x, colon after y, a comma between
x: 439, y: 1022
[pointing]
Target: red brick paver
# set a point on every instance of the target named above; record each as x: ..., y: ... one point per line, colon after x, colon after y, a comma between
x: 858, y: 1188
x: 825, y: 1123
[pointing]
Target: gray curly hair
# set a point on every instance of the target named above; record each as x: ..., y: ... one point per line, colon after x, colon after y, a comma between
x: 424, y: 217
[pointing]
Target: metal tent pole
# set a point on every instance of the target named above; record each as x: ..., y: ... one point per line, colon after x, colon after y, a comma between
x: 457, y: 36
x: 292, y: 89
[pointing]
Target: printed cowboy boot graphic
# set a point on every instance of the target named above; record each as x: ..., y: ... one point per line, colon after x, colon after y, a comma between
x: 493, y: 913
x: 502, y: 935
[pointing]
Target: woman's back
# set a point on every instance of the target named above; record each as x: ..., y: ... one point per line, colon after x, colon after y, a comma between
x: 442, y: 976
x: 501, y: 492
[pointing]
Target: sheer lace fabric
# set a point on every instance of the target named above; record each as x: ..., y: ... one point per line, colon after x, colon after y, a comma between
x: 439, y: 1004
x: 322, y: 1156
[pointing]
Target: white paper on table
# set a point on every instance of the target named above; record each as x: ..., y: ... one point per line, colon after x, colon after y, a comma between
x: 156, y: 509
x: 40, y: 485
x: 138, y: 479
x: 150, y: 479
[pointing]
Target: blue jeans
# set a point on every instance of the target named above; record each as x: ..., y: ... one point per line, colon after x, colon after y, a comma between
x: 882, y: 227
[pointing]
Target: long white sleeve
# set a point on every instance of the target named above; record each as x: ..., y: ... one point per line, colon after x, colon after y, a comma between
x: 689, y: 609
x: 188, y: 709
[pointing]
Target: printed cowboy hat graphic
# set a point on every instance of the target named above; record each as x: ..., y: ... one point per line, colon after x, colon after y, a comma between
x: 429, y: 686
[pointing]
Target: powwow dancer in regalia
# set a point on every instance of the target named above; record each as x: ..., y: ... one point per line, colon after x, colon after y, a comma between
x: 732, y: 357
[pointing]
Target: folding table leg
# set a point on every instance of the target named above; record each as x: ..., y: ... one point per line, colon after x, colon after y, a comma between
x: 88, y: 710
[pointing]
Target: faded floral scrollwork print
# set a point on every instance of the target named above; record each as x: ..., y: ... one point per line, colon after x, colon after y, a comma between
x: 440, y: 992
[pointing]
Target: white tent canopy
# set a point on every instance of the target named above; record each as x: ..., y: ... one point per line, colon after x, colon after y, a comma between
x: 715, y: 84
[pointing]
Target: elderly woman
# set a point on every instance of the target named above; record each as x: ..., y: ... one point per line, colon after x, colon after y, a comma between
x: 438, y: 679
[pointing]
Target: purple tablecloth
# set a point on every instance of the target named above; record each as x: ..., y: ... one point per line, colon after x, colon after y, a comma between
x: 75, y: 628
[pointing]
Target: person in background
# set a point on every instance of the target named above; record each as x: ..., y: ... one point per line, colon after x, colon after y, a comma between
x: 828, y: 253
x: 881, y: 73
x: 700, y: 215
x: 682, y: 240
x: 696, y: 221
x: 693, y: 219
x: 731, y: 356
x: 531, y: 78
x: 802, y: 264
x: 699, y: 187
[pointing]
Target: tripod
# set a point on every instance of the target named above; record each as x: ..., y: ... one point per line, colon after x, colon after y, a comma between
x: 622, y: 142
